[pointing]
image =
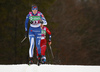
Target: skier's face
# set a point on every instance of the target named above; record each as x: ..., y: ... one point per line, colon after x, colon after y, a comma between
x: 34, y: 11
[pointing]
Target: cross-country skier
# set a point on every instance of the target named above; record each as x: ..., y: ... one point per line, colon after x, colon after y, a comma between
x: 43, y: 42
x: 37, y: 20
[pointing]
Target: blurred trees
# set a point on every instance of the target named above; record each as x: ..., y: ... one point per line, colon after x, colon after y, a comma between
x: 74, y: 25
x: 76, y: 37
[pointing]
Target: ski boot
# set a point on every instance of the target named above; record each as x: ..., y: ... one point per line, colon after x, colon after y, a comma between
x: 31, y: 61
x: 39, y: 59
x: 43, y: 59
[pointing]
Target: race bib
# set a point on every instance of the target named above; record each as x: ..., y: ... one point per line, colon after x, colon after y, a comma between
x: 43, y: 32
x: 34, y: 18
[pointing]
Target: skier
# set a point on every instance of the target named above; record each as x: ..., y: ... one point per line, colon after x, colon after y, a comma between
x: 43, y: 43
x: 37, y: 20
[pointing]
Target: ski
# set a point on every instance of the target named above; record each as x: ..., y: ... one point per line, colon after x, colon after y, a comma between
x: 36, y: 64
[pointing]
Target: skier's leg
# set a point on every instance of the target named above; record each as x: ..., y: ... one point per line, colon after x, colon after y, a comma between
x: 31, y: 39
x: 38, y: 41
x: 31, y: 49
x: 36, y: 51
x: 43, y: 49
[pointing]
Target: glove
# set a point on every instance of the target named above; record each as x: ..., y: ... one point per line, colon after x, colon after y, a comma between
x: 41, y: 21
x: 31, y: 22
x: 49, y: 40
x: 26, y: 34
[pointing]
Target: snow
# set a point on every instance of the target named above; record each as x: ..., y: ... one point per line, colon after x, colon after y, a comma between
x: 48, y: 68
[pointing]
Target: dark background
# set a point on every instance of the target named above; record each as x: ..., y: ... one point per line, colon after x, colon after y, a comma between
x: 74, y: 24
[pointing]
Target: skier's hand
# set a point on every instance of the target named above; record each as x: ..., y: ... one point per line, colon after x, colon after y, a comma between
x: 42, y: 25
x: 41, y: 21
x: 49, y: 43
x: 31, y: 22
x: 26, y: 34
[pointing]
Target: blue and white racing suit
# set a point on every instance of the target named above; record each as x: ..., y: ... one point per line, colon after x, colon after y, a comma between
x: 34, y: 32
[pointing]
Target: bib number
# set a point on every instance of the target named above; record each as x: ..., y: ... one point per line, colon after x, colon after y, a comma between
x: 35, y: 22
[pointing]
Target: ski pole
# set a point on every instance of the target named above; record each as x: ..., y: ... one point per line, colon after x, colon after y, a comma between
x: 51, y: 52
x: 23, y: 39
x: 48, y: 55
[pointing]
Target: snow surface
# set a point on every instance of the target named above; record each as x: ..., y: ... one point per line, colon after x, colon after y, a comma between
x: 48, y: 68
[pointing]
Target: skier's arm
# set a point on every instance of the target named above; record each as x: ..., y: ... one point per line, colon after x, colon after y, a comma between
x: 26, y: 22
x: 43, y: 19
x: 26, y: 25
x: 48, y: 31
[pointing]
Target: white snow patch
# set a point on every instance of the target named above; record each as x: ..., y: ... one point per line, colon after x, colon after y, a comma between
x: 48, y: 68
